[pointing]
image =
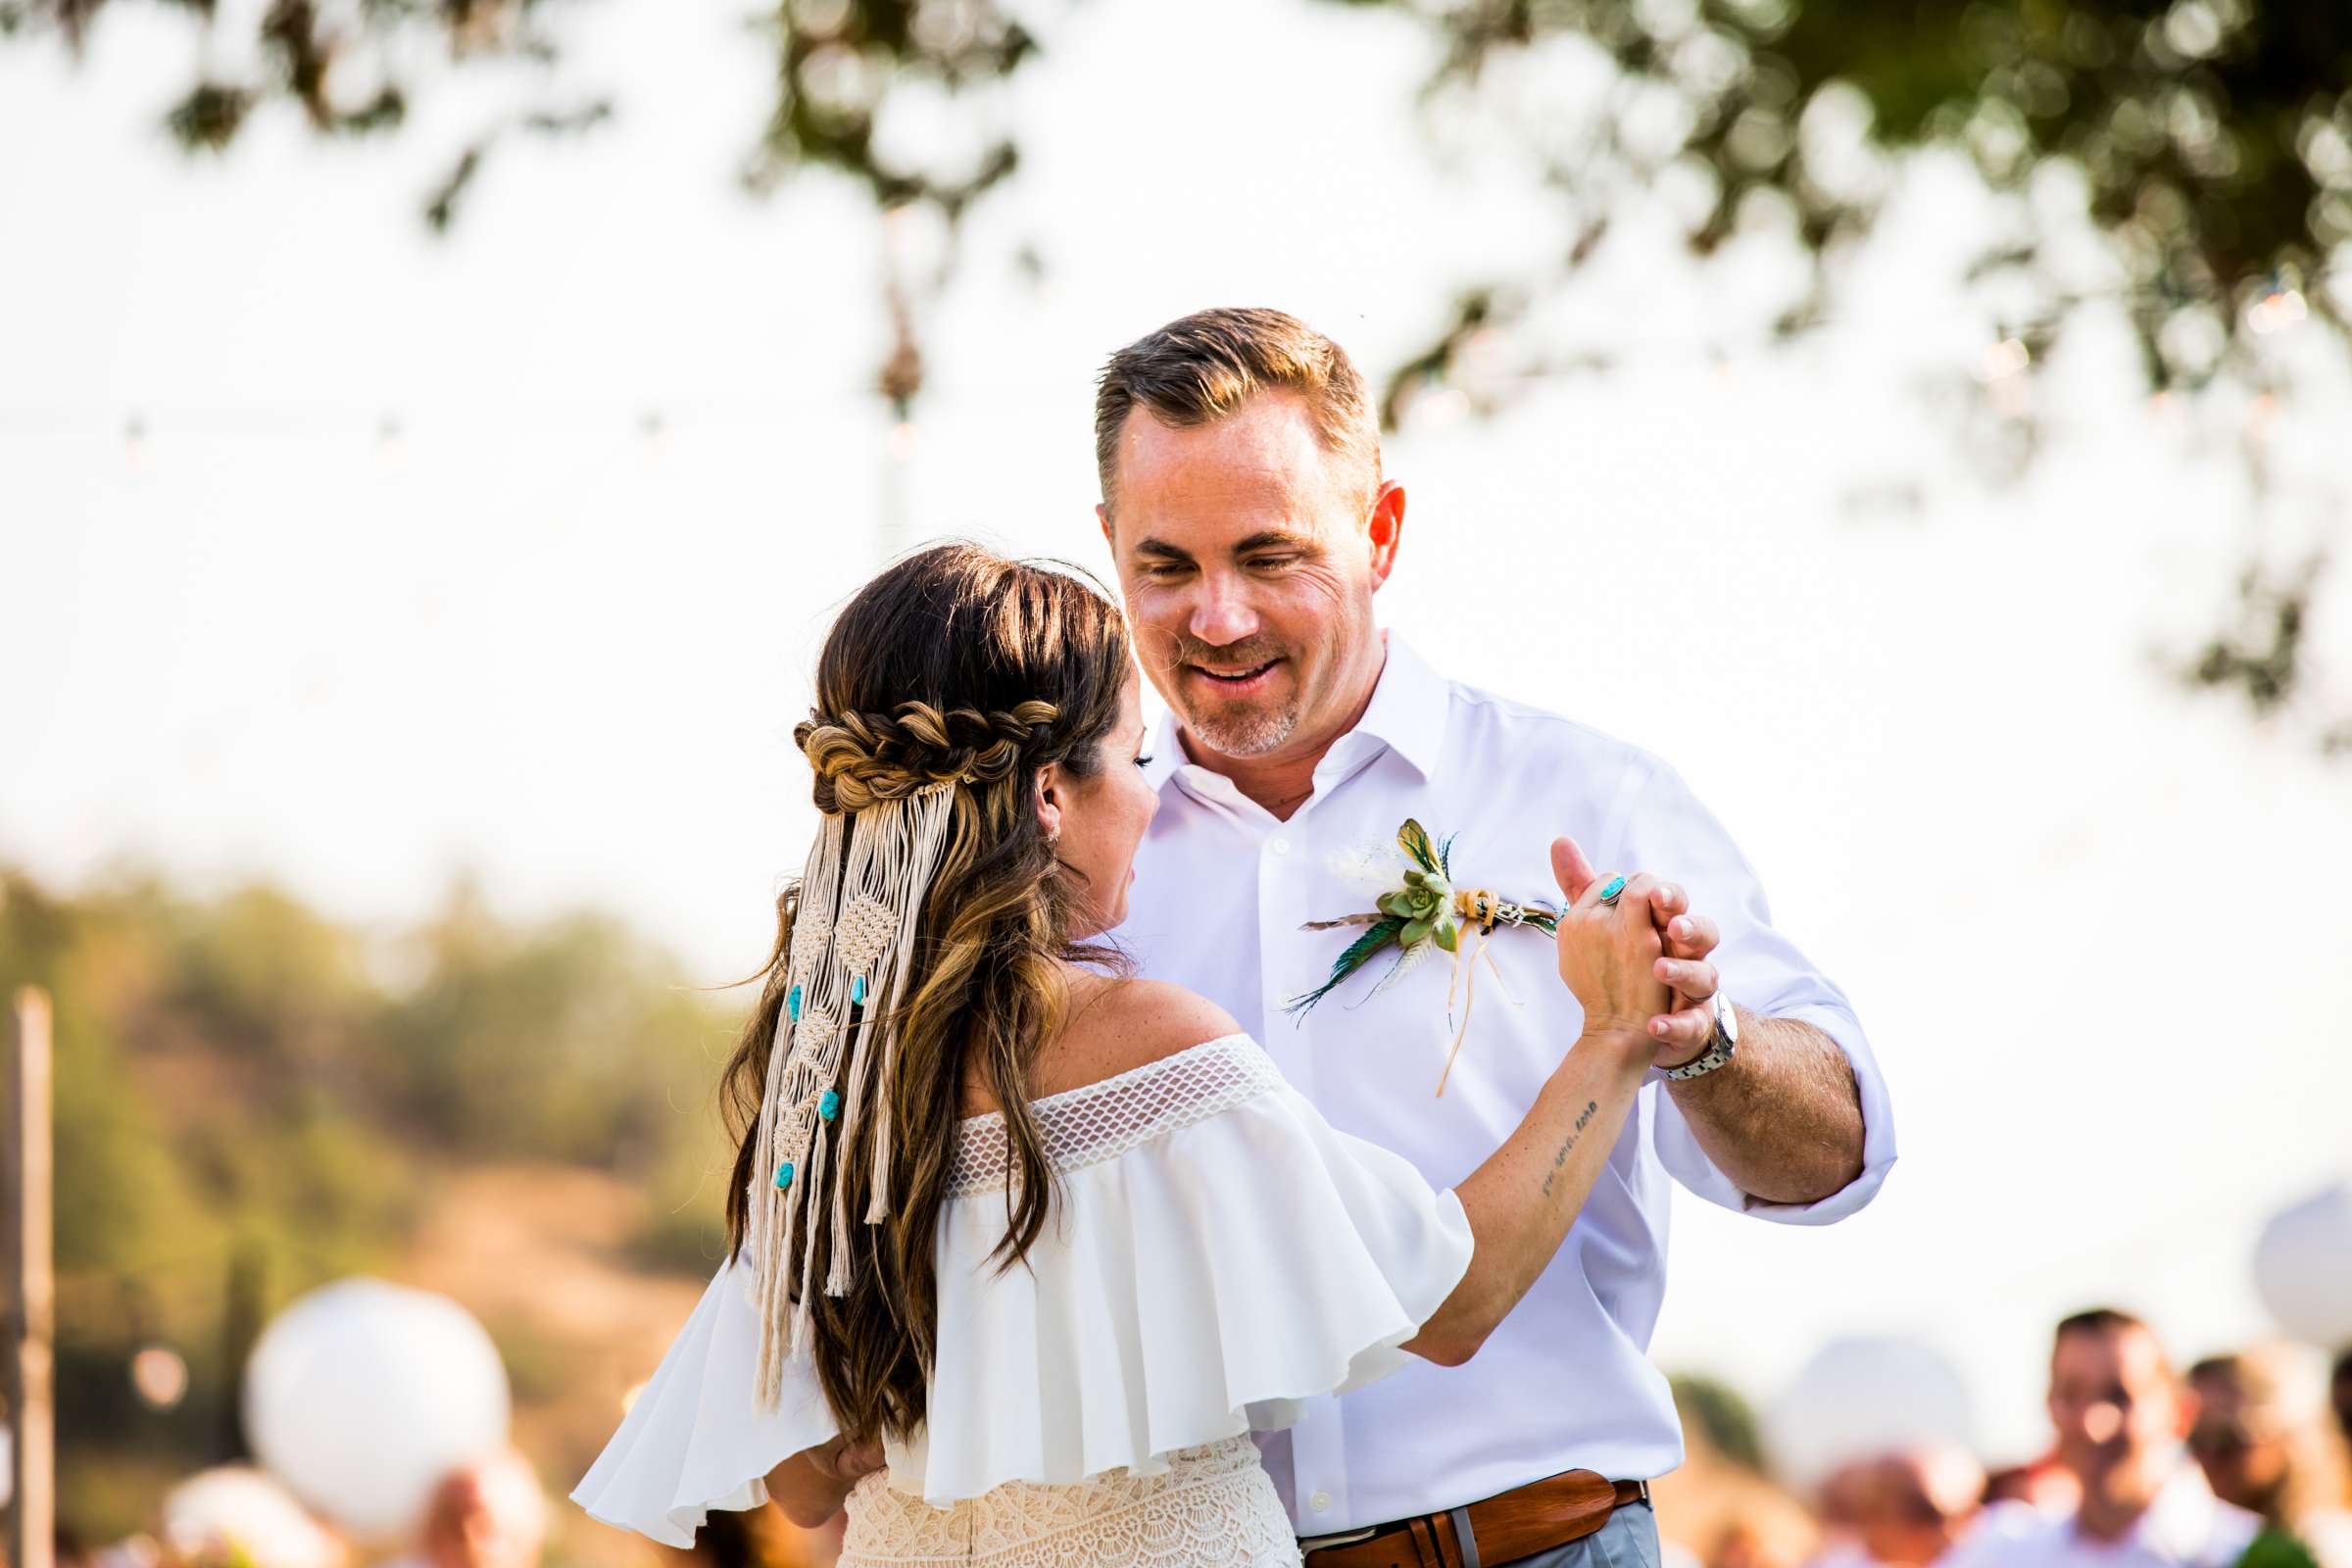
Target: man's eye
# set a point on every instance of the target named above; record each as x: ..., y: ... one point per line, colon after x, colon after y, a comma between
x: 1273, y: 562
x: 1163, y: 571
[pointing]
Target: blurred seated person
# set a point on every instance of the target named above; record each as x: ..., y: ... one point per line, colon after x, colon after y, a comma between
x: 1919, y: 1502
x: 2042, y: 1485
x: 2259, y: 1439
x: 487, y: 1513
x: 2121, y: 1413
x: 2340, y: 1393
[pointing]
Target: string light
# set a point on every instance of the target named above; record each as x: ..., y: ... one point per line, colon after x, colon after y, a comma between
x: 2007, y: 358
x: 160, y: 1374
x: 2275, y: 310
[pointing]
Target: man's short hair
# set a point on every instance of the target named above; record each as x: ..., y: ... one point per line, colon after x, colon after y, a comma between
x: 1204, y: 367
x: 2100, y: 1320
x: 2111, y: 1320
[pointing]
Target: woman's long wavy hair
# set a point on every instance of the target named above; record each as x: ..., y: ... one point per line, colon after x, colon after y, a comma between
x: 952, y: 665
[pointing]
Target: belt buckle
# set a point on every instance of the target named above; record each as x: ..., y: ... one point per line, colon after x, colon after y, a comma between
x: 1345, y: 1538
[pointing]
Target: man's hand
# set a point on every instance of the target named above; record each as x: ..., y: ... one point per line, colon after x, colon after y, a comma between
x: 846, y: 1463
x: 1682, y: 1034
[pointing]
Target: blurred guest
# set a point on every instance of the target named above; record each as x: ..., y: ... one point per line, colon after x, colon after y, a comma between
x: 1843, y: 1506
x: 2261, y: 1443
x: 2340, y: 1393
x: 488, y: 1513
x: 238, y: 1515
x: 2121, y: 1412
x: 2042, y: 1485
x: 1918, y: 1505
x: 1750, y: 1544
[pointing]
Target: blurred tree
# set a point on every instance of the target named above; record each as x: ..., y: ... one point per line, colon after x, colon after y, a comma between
x: 2208, y: 143
x: 1722, y: 1414
x: 252, y: 1100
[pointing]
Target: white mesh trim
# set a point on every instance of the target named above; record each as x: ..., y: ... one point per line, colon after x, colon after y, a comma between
x: 1103, y: 1120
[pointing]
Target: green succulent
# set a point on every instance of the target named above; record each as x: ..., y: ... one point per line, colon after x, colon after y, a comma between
x: 1425, y: 904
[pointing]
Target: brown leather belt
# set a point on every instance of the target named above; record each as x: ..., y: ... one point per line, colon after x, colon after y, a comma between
x: 1535, y: 1517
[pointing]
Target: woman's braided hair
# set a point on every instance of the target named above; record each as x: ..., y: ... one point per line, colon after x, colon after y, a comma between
x: 959, y: 669
x: 863, y: 758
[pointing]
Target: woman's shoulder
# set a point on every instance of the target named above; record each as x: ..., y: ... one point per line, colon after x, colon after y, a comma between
x: 1118, y: 1025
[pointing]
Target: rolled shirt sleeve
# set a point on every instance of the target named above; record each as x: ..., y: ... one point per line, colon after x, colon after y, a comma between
x: 1668, y: 833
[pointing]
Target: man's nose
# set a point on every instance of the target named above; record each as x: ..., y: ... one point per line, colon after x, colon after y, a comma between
x: 2102, y: 1421
x: 1222, y: 615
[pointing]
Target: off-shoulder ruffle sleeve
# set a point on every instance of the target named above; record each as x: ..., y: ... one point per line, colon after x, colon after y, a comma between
x: 1220, y: 1253
x: 695, y: 1439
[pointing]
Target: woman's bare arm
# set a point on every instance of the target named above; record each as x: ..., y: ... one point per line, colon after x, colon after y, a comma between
x: 1523, y: 1198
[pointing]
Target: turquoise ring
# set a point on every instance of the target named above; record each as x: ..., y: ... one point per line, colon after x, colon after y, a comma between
x: 1608, y: 895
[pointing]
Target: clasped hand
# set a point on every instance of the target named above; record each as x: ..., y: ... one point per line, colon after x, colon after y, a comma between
x: 1639, y: 967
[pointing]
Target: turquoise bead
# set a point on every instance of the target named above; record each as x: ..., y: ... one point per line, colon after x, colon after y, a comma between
x: 857, y: 992
x: 791, y: 1004
x: 784, y: 1175
x: 829, y: 1106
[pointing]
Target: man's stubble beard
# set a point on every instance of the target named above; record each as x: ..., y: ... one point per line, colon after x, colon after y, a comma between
x: 1241, y: 731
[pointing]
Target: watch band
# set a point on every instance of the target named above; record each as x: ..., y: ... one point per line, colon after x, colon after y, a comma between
x: 1721, y: 1043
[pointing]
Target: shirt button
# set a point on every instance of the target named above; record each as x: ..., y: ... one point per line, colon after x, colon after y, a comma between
x: 1279, y: 846
x: 1320, y: 1502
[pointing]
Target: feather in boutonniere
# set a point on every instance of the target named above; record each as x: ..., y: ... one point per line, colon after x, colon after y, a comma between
x: 1422, y: 911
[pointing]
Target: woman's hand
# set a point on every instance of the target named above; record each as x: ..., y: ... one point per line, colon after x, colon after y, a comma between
x: 1609, y: 954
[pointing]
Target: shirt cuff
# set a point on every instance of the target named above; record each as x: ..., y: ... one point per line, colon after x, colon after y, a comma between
x: 1688, y: 1162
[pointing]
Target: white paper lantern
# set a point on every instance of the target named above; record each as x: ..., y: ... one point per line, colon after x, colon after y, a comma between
x: 361, y: 1396
x: 1863, y: 1396
x: 2303, y: 1268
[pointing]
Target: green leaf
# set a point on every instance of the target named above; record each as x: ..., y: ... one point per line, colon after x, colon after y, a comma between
x: 1448, y: 933
x: 1414, y: 840
x: 1399, y: 904
x: 1414, y: 932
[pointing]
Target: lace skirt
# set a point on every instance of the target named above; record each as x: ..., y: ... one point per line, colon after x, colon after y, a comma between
x: 1214, y: 1507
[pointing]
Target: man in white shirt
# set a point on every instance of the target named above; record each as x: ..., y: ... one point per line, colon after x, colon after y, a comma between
x: 1250, y: 525
x: 2121, y: 1413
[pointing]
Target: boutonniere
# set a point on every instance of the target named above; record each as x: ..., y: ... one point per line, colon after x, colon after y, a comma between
x: 1421, y: 913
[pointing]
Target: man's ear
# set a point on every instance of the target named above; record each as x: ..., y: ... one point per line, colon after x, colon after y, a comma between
x: 1050, y: 785
x: 1103, y: 516
x: 1385, y: 531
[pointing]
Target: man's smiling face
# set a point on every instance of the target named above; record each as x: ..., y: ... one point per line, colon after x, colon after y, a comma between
x: 1248, y: 557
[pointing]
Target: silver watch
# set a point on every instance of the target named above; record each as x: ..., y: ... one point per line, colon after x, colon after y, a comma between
x: 1722, y: 1041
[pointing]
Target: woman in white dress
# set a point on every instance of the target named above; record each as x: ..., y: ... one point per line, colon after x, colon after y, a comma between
x: 1022, y: 1250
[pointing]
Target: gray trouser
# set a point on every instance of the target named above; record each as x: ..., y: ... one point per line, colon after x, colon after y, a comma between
x: 1630, y: 1539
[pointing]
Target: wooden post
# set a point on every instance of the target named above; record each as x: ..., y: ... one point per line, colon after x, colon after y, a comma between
x: 31, y: 1306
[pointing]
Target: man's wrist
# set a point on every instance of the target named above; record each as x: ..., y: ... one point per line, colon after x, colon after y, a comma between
x: 1715, y: 1053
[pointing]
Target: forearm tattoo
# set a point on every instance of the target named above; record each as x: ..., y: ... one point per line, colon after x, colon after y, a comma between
x: 1560, y: 1157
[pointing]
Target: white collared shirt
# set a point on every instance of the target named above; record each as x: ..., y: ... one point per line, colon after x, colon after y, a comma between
x: 2185, y: 1526
x: 1221, y: 890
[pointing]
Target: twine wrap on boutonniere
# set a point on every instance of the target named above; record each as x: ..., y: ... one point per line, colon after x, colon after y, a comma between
x: 1426, y: 914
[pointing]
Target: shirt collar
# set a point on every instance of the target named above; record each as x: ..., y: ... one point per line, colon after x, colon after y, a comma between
x: 2177, y: 1525
x: 1407, y: 714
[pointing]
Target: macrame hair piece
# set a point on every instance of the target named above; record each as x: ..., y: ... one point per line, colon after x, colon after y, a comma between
x: 886, y: 786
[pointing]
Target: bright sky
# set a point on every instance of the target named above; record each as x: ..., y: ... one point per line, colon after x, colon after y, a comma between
x: 2094, y: 926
